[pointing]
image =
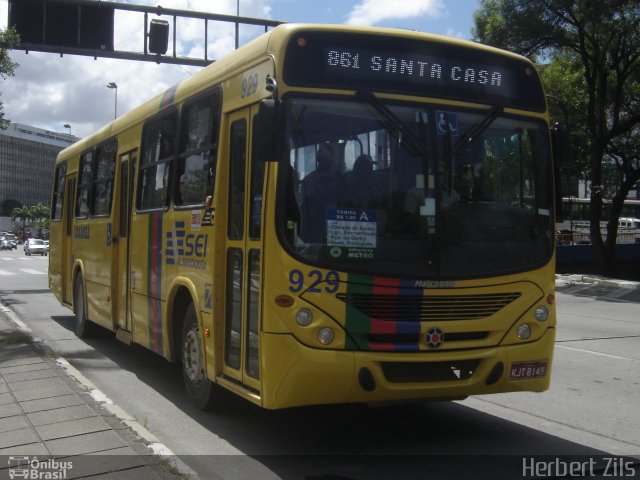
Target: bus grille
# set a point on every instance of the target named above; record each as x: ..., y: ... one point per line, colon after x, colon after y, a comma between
x: 397, y: 322
x: 429, y: 308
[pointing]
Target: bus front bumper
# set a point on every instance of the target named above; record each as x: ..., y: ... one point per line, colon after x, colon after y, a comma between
x: 298, y: 375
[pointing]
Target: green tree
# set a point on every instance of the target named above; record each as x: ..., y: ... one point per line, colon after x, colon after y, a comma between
x: 40, y: 214
x: 23, y: 213
x: 564, y: 85
x: 600, y: 40
x: 9, y: 38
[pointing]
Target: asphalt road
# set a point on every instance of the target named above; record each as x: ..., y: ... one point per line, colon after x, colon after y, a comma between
x: 590, y: 409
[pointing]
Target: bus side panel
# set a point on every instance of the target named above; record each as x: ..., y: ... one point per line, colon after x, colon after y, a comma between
x: 93, y: 246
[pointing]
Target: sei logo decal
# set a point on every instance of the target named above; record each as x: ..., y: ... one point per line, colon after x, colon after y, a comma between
x: 184, y: 248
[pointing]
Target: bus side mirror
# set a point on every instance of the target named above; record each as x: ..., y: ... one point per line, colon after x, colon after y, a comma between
x: 561, y: 152
x: 265, y: 145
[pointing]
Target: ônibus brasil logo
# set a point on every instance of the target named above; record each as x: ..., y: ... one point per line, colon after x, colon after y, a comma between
x: 33, y: 468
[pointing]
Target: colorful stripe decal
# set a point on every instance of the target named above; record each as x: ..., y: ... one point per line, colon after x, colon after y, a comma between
x: 168, y: 96
x: 357, y: 324
x: 366, y: 332
x: 154, y: 283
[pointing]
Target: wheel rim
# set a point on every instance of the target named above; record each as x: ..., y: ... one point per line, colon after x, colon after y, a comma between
x: 192, y: 357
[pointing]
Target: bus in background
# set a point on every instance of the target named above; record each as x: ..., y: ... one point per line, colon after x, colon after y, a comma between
x: 574, y: 229
x: 329, y: 214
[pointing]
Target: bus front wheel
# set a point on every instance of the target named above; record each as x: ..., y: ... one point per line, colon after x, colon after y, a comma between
x: 200, y: 390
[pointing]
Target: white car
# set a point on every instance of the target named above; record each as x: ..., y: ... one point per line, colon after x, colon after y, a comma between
x: 35, y: 246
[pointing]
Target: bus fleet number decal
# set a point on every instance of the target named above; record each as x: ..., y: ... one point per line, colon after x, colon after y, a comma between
x: 249, y: 86
x: 332, y: 280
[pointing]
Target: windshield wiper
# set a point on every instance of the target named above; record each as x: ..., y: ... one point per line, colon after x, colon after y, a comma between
x: 475, y: 131
x: 396, y: 127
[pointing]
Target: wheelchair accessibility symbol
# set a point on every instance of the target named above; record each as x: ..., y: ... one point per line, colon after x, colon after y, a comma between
x: 447, y: 123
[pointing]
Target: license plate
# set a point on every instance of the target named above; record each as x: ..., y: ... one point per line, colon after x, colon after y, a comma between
x: 521, y: 370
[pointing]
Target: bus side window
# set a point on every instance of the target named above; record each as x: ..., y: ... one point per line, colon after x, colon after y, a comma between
x: 104, y: 173
x: 197, y: 158
x: 84, y: 184
x: 57, y: 200
x: 158, y: 151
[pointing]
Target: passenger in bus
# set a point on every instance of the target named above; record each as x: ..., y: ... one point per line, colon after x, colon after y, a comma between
x: 319, y: 191
x: 166, y: 146
x: 359, y: 187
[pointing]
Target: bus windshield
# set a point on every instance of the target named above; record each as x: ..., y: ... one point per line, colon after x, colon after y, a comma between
x: 414, y: 189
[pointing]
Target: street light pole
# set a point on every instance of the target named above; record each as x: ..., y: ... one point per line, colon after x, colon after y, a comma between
x: 237, y: 24
x: 115, y: 109
x: 66, y: 125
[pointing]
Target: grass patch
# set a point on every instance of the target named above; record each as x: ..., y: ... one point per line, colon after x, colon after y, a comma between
x: 15, y: 339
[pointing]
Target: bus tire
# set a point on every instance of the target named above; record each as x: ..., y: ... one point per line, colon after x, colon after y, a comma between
x: 200, y: 389
x: 82, y: 325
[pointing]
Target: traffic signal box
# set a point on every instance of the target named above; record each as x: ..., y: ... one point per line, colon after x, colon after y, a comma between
x: 74, y: 24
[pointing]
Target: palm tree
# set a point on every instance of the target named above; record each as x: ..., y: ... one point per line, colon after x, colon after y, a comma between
x: 23, y: 213
x: 40, y: 213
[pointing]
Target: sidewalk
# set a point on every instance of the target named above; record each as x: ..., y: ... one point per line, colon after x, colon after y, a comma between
x: 598, y: 286
x: 54, y: 424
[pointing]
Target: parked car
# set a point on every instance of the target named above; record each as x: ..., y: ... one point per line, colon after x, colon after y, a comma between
x: 35, y: 246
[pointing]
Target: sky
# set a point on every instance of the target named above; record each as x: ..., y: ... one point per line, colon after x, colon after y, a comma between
x: 49, y: 91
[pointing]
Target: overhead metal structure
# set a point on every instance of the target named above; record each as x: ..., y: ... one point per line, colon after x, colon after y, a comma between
x: 87, y: 27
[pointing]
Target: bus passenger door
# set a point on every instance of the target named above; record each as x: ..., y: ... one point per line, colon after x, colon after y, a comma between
x: 121, y: 225
x: 67, y: 236
x: 243, y: 276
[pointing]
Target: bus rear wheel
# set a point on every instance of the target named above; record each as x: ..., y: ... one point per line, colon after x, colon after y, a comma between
x: 82, y: 325
x: 200, y: 389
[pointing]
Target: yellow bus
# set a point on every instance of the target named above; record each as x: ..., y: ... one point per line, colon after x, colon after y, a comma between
x: 327, y: 215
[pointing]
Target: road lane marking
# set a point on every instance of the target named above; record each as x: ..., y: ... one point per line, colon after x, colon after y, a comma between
x: 596, y: 353
x: 32, y: 271
x: 5, y: 273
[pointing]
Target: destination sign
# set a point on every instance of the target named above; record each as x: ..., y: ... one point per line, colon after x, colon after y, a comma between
x: 416, y: 68
x: 413, y: 67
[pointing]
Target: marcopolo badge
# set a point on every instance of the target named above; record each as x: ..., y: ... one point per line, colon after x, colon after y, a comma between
x: 435, y: 338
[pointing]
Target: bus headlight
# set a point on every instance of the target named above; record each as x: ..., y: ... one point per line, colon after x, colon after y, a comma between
x: 304, y: 317
x: 542, y: 313
x: 325, y: 336
x: 524, y: 331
